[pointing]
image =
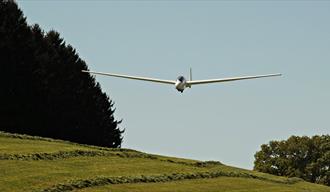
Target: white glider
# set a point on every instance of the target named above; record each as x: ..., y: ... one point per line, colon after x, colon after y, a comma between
x: 181, y: 83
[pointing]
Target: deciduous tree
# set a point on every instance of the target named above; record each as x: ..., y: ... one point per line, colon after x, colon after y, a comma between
x: 304, y: 157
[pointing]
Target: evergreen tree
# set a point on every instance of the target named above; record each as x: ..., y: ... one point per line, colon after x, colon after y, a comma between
x: 44, y: 91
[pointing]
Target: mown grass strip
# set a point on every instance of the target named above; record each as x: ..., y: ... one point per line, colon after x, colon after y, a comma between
x: 101, y: 181
x: 69, y: 154
x: 54, y: 156
x: 98, y: 153
x: 29, y: 137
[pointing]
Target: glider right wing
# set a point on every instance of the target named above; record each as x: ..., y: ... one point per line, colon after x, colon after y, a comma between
x: 132, y: 77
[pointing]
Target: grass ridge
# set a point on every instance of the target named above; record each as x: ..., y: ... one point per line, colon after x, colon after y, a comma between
x: 93, y: 153
x: 101, y: 180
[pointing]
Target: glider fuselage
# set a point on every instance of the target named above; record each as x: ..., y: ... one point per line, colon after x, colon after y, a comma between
x: 180, y: 83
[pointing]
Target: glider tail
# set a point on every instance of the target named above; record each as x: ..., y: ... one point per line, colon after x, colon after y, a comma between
x: 190, y: 77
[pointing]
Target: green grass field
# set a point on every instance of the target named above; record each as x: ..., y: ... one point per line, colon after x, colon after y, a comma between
x: 38, y: 164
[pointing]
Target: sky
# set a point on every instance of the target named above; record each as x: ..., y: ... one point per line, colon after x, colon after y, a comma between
x: 162, y: 39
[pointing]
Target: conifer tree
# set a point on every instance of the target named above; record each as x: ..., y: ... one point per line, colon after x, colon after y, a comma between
x: 44, y: 92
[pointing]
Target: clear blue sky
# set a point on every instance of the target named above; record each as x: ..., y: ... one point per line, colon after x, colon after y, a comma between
x: 226, y: 122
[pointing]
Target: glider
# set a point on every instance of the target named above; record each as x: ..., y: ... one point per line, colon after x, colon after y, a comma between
x: 181, y: 82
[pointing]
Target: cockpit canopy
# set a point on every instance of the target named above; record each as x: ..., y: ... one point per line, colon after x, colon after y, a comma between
x: 181, y: 78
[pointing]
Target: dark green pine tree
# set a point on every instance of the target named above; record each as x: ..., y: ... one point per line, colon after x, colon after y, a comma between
x: 44, y: 91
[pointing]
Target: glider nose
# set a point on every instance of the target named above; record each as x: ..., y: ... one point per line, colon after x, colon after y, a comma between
x: 179, y: 85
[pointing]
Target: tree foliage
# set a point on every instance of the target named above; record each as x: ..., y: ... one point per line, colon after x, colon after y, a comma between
x: 43, y: 91
x: 304, y: 157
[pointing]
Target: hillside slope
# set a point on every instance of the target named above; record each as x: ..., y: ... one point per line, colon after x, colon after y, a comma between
x: 39, y: 164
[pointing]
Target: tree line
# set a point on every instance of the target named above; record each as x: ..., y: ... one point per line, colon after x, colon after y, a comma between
x: 304, y: 157
x: 43, y: 91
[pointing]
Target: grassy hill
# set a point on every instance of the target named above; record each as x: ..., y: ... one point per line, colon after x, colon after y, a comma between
x: 39, y: 164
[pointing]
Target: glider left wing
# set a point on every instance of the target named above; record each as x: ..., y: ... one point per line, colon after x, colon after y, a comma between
x: 229, y: 79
